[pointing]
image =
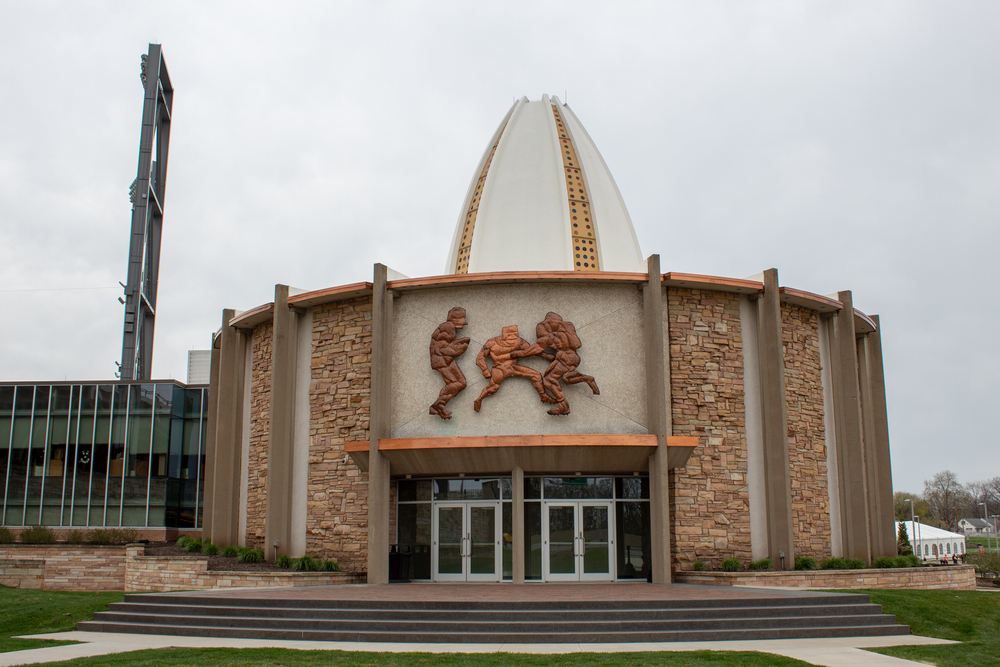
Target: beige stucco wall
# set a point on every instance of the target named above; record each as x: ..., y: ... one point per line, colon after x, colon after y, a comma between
x: 608, y: 319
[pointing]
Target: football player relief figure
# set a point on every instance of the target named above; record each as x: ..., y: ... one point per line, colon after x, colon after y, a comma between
x: 445, y: 346
x: 556, y: 341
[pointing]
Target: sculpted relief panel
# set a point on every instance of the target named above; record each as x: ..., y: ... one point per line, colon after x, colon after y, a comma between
x: 487, y: 375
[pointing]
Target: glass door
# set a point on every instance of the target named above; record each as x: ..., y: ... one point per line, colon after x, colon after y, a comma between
x: 577, y: 541
x: 466, y: 542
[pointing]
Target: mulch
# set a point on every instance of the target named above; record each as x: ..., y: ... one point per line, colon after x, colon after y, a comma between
x: 223, y: 563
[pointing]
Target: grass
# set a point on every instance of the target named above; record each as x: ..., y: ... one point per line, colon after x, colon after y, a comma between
x: 971, y: 617
x: 212, y: 657
x: 26, y: 612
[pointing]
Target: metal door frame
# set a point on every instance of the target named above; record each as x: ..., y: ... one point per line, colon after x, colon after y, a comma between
x: 466, y: 541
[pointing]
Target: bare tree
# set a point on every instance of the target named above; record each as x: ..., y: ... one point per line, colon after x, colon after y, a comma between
x: 944, y: 496
x: 987, y: 492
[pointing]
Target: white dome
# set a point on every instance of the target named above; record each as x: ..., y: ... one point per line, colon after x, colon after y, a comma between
x: 542, y: 199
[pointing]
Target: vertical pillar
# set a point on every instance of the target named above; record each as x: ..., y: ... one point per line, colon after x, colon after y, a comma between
x: 774, y: 425
x: 207, y: 502
x: 657, y: 421
x: 380, y: 426
x: 517, y: 525
x: 280, y: 446
x: 850, y: 448
x: 882, y: 485
x: 868, y: 442
x: 228, y: 435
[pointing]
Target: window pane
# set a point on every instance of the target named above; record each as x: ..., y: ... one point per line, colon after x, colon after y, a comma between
x: 415, y: 534
x: 578, y: 487
x: 632, y: 487
x: 532, y: 541
x: 634, y: 544
x: 414, y: 489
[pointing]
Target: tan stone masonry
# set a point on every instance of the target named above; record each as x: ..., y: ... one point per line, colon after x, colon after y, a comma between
x: 710, y: 512
x: 260, y: 426
x: 806, y: 431
x: 339, y: 404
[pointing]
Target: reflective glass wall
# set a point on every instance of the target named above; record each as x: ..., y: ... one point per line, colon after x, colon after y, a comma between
x: 116, y: 454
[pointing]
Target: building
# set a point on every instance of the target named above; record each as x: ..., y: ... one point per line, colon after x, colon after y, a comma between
x: 555, y: 406
x: 107, y: 454
x: 932, y: 543
x: 974, y: 526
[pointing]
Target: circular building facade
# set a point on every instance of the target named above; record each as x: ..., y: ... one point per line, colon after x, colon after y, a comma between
x: 557, y: 411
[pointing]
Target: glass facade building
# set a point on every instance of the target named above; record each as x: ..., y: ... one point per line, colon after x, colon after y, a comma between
x: 103, y: 454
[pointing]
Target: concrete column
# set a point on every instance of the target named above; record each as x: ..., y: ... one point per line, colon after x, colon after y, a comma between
x: 380, y: 426
x: 657, y: 422
x: 213, y: 414
x: 774, y: 425
x: 280, y: 447
x: 868, y: 441
x: 517, y: 525
x: 850, y: 447
x: 228, y: 435
x: 881, y: 486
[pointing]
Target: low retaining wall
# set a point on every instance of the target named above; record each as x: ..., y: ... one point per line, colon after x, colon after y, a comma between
x: 22, y: 573
x: 83, y: 568
x: 956, y: 577
x: 187, y: 573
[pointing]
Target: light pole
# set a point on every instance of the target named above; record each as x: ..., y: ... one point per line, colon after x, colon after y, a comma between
x: 916, y: 533
x: 913, y: 526
x: 986, y: 518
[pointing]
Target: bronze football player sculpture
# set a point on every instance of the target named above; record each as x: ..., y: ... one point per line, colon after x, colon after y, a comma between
x: 500, y: 350
x: 444, y: 348
x: 560, y: 336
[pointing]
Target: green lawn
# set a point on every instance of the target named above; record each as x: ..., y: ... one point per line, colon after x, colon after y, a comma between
x: 982, y: 541
x: 291, y: 658
x: 25, y: 612
x: 972, y: 617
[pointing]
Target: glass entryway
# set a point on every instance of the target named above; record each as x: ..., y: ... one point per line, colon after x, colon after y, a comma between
x: 575, y: 528
x: 466, y: 544
x: 577, y: 541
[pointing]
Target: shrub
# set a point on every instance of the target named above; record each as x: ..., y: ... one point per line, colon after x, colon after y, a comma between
x: 914, y: 560
x: 283, y: 561
x: 304, y: 564
x: 74, y: 537
x: 731, y: 565
x: 854, y: 564
x: 250, y: 556
x: 183, y: 540
x: 230, y: 551
x: 833, y: 564
x: 805, y: 563
x: 699, y: 566
x: 125, y: 535
x: 209, y: 549
x: 193, y: 546
x: 762, y: 564
x: 37, y: 535
x: 905, y: 561
x: 996, y: 582
x: 330, y: 566
x: 98, y: 536
x: 884, y: 562
x: 6, y: 537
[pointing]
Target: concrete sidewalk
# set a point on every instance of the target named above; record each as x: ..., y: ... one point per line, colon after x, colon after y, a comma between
x: 831, y: 652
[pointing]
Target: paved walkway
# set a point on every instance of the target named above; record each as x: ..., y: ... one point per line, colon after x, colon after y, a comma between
x: 837, y: 652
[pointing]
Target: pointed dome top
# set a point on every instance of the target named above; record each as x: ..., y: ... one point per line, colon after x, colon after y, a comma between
x: 542, y: 199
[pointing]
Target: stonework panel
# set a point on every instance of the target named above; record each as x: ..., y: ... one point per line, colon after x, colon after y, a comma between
x: 608, y: 319
x: 806, y: 431
x: 709, y: 498
x: 340, y: 408
x: 260, y: 429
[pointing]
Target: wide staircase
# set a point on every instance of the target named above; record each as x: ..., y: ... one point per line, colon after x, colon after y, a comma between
x: 519, y: 622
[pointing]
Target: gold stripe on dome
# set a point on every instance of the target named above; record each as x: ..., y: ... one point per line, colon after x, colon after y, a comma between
x: 465, y: 247
x: 581, y: 214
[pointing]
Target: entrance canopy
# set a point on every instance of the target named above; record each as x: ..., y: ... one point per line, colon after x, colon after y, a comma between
x: 500, y: 454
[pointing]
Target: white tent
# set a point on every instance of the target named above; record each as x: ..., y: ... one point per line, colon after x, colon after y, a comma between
x: 932, y: 543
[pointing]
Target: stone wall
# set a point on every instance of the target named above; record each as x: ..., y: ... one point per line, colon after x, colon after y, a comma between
x: 72, y: 568
x: 340, y: 407
x: 806, y: 432
x: 188, y: 573
x: 709, y: 499
x: 260, y: 429
x: 22, y: 573
x: 959, y: 577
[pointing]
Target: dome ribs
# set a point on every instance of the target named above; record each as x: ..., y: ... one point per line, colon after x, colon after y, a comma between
x: 581, y: 213
x: 465, y: 247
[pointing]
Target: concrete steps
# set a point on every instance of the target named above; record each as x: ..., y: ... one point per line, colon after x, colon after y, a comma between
x: 593, y: 621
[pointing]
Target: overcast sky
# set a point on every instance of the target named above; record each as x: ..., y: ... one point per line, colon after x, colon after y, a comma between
x: 851, y: 145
